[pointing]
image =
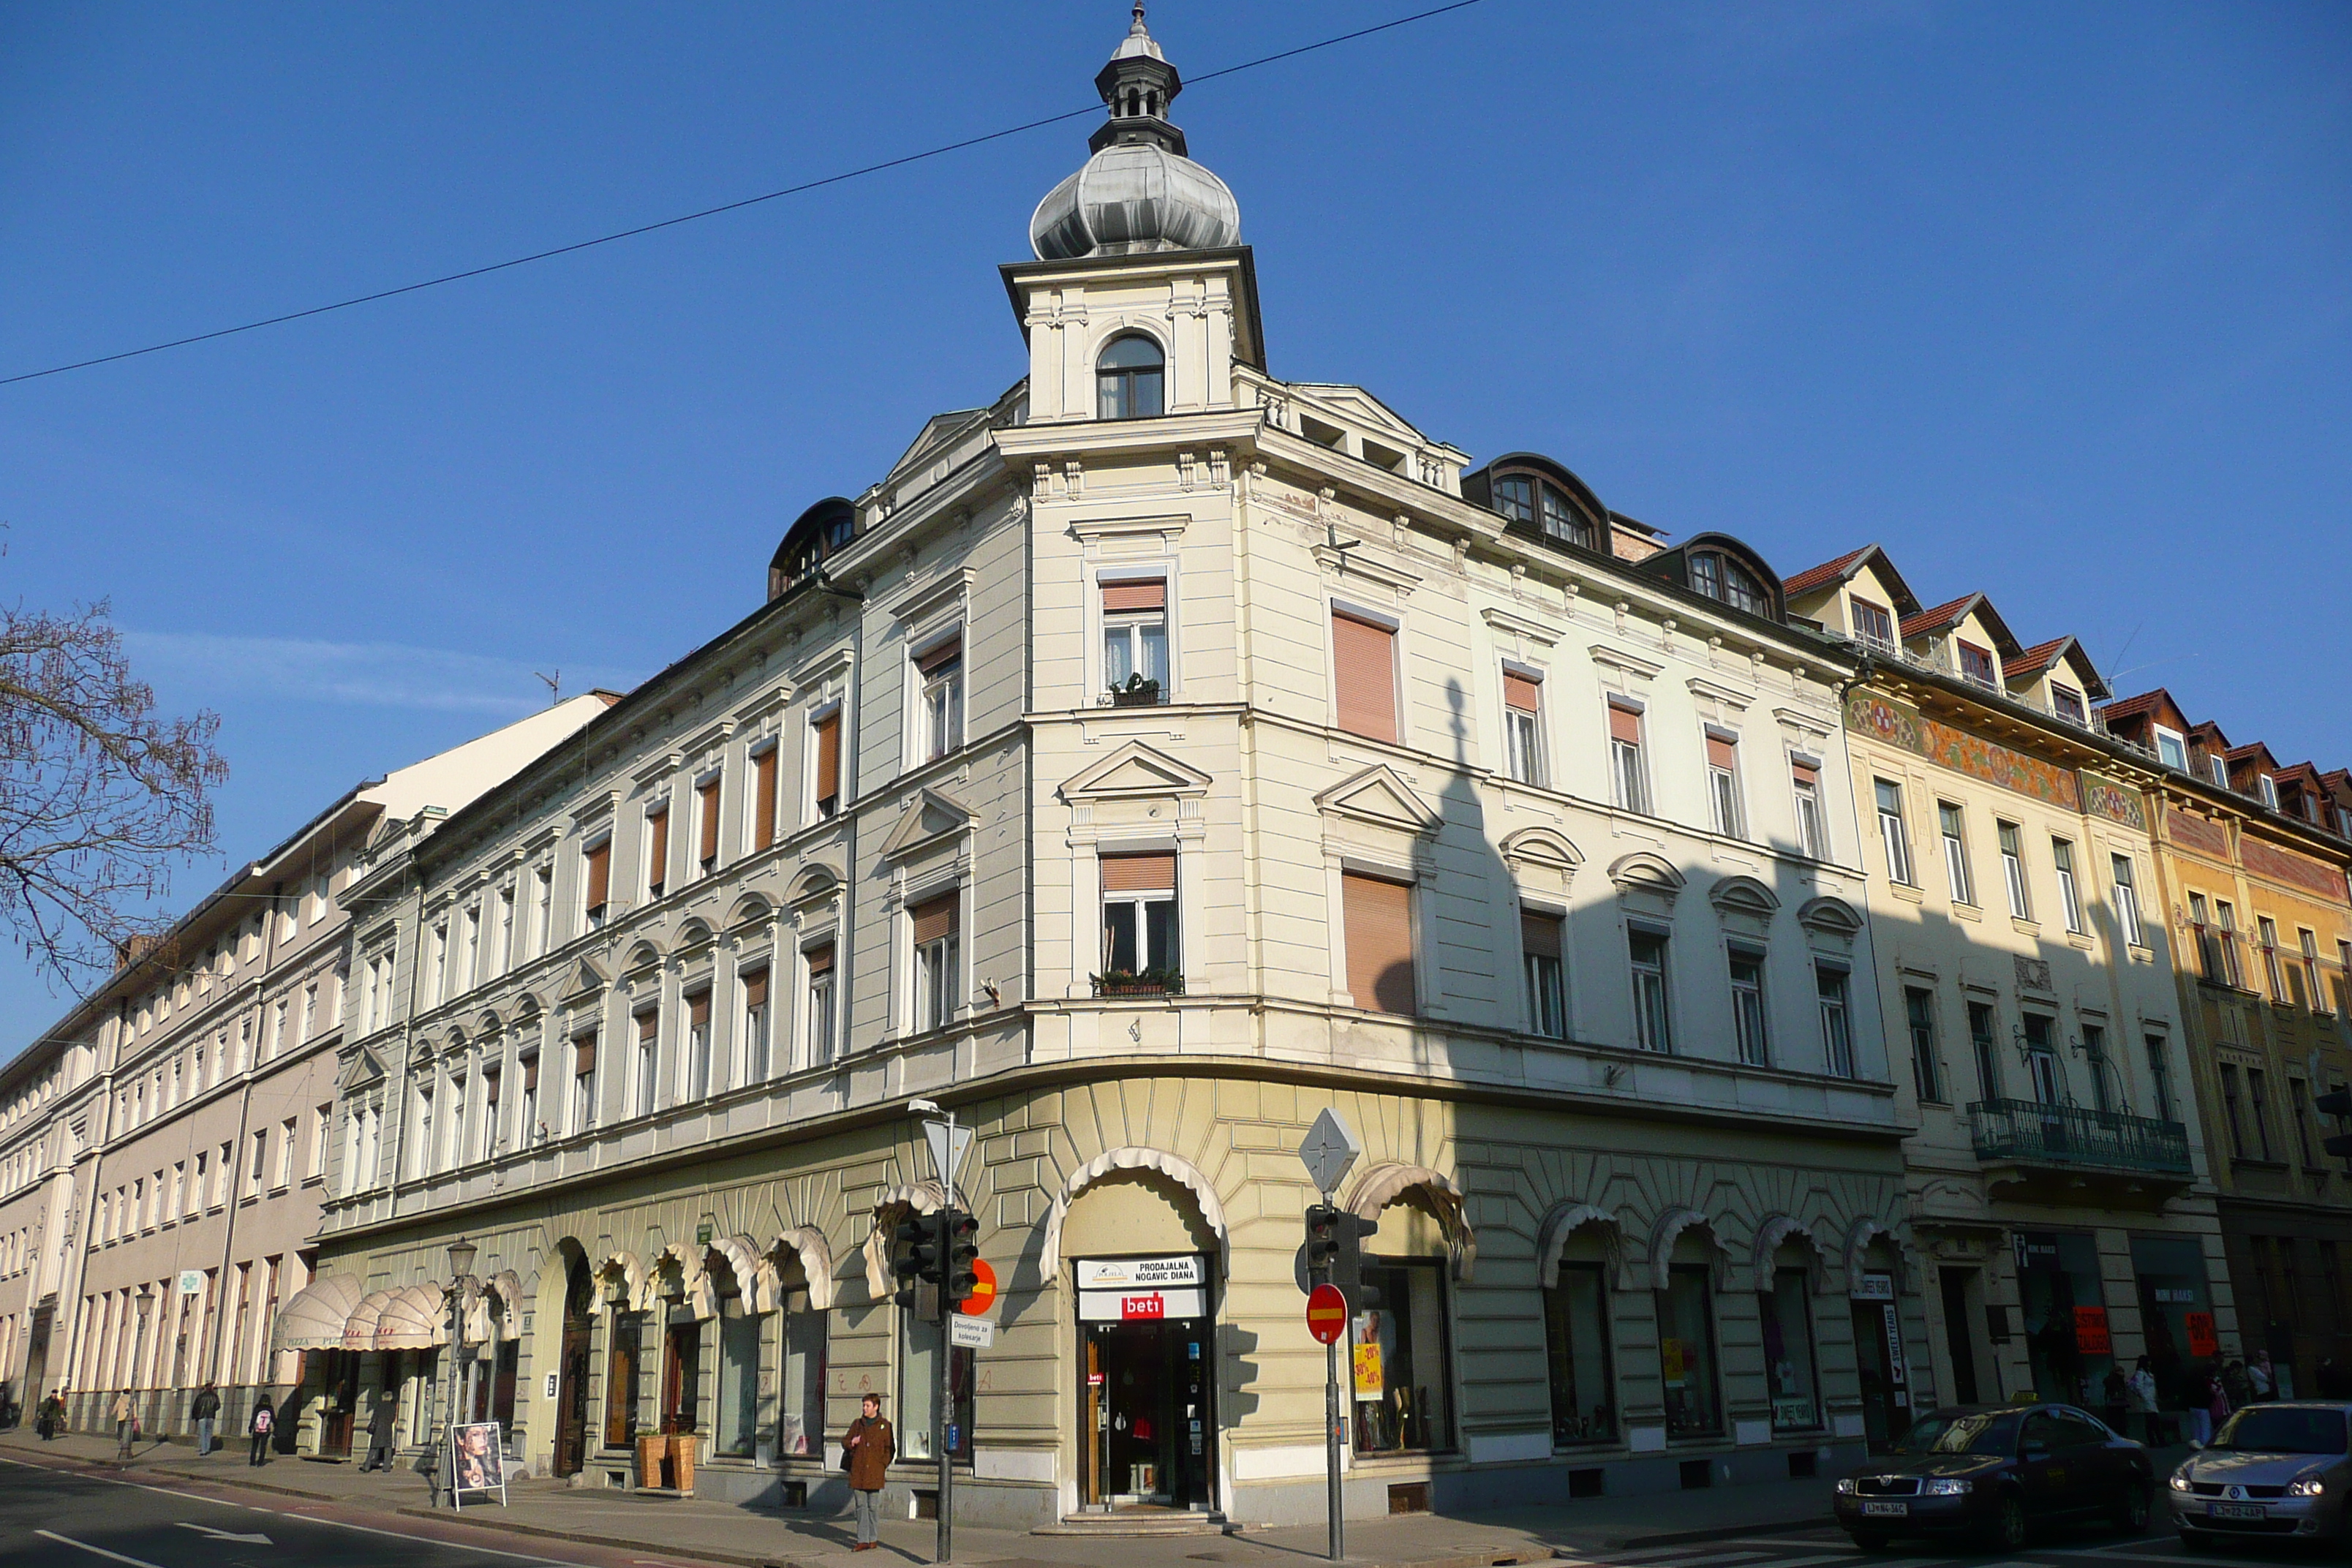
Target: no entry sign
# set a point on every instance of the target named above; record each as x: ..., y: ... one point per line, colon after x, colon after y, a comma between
x: 1326, y: 1314
x: 983, y: 1289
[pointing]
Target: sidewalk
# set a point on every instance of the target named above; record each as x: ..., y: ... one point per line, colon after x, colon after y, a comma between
x: 758, y: 1538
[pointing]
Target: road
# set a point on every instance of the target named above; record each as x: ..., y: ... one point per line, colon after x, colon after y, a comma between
x: 2054, y: 1549
x: 56, y: 1518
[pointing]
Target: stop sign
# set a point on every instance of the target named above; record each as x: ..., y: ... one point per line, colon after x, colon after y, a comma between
x: 1326, y: 1313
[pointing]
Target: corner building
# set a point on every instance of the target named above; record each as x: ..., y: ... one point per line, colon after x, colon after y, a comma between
x: 1155, y: 757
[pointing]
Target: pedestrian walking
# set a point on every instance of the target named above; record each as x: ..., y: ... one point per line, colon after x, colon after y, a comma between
x: 205, y: 1410
x: 2115, y: 1393
x: 2261, y: 1380
x: 52, y: 1418
x: 867, y: 1452
x: 2237, y: 1384
x: 126, y: 1428
x: 2139, y: 1398
x: 379, y: 1454
x: 265, y: 1417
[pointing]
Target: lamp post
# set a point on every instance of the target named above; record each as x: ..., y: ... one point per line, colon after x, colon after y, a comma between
x: 139, y: 1346
x: 461, y: 1269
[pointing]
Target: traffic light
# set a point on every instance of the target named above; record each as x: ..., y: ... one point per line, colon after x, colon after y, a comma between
x: 2337, y: 1102
x: 964, y: 1252
x: 1322, y: 1239
x: 1348, y: 1265
x: 915, y: 1255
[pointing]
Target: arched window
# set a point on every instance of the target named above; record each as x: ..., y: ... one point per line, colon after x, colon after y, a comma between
x: 1721, y: 577
x: 1128, y: 378
x: 1561, y: 520
x: 1515, y: 497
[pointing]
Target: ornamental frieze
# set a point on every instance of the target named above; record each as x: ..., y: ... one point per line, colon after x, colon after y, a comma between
x: 1900, y: 724
x: 2193, y: 832
x: 2283, y: 866
x: 2118, y: 802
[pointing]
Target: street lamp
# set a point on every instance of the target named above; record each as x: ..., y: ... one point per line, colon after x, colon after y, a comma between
x: 138, y: 1351
x: 461, y: 1269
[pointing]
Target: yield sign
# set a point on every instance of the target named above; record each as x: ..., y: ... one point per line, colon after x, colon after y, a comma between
x: 1326, y: 1314
x: 948, y: 1145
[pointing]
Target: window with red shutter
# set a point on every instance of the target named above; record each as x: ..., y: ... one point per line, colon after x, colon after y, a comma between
x: 1377, y: 916
x: 1363, y: 663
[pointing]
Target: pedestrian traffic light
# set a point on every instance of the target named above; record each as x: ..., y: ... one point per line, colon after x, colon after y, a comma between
x: 915, y: 1255
x: 1322, y: 1238
x: 2337, y: 1102
x: 964, y: 1252
x: 1347, y: 1264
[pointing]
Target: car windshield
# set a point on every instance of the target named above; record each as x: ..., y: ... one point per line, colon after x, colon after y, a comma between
x: 2282, y: 1429
x: 1993, y: 1432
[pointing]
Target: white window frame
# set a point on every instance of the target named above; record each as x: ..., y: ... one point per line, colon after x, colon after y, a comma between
x: 660, y: 807
x: 1751, y: 1027
x: 1659, y: 1038
x: 1173, y: 961
x: 1894, y: 831
x: 2179, y: 758
x: 1099, y: 622
x: 2070, y: 893
x: 940, y: 722
x: 820, y: 1001
x: 1949, y: 813
x: 934, y: 969
x: 1527, y: 962
x: 715, y: 774
x: 2266, y: 788
x: 1524, y: 757
x: 696, y: 1058
x: 811, y: 811
x: 1837, y: 1027
x: 2010, y: 838
x: 1629, y: 766
x: 2126, y: 877
x: 1812, y: 821
x: 1726, y: 810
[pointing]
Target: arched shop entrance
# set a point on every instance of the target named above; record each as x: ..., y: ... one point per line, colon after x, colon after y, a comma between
x: 1144, y: 1267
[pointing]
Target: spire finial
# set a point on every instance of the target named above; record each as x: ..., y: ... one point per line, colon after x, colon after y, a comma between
x: 1138, y: 30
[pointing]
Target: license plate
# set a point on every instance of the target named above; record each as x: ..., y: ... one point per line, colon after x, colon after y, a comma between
x: 1901, y: 1509
x: 2236, y: 1510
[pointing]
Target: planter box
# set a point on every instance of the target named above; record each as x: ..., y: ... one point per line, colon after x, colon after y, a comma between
x: 681, y: 1460
x: 652, y: 1449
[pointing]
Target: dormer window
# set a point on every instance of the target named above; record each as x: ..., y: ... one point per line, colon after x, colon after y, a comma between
x: 2268, y: 790
x: 1873, y: 625
x: 2171, y: 749
x: 1561, y: 520
x: 1522, y: 499
x: 1515, y: 498
x: 2067, y: 703
x: 1976, y: 664
x: 2220, y: 766
x: 1720, y: 577
x: 1129, y: 379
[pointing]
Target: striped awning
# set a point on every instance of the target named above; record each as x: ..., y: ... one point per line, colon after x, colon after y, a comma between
x: 316, y: 1318
x: 415, y: 1319
x: 358, y: 1329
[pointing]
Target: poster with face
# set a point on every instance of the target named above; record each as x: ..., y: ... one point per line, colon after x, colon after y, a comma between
x: 479, y: 1466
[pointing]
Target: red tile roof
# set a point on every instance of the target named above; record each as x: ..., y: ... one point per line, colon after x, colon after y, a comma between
x: 1812, y: 577
x: 2146, y: 702
x: 1940, y: 617
x: 2035, y: 659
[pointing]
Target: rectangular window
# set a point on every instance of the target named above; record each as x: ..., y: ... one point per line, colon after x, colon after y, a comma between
x: 2266, y: 929
x: 624, y: 1379
x: 1576, y: 1345
x: 764, y: 800
x: 1363, y: 664
x: 1813, y: 839
x: 1837, y: 1019
x: 2231, y: 1112
x: 1139, y: 893
x: 2298, y: 1100
x: 543, y: 920
x: 1891, y: 833
x: 657, y: 853
x: 1919, y: 1015
x: 937, y: 959
x: 583, y: 1082
x: 1540, y: 947
x: 706, y: 825
x: 529, y: 1110
x: 1377, y: 916
x: 739, y: 1384
x: 1748, y: 1007
x: 2095, y: 1057
x: 1135, y: 641
x: 2258, y: 1099
x: 453, y: 1125
x: 698, y: 1046
x: 1401, y: 1364
x: 1873, y: 625
x: 597, y: 865
x: 1685, y: 1311
x: 2171, y: 749
x: 1628, y: 779
x: 801, y: 1414
x: 1523, y: 725
x: 1652, y: 1027
x: 2042, y: 1061
x: 2070, y: 897
x: 2127, y: 901
x: 755, y: 1026
x: 1785, y: 1313
x: 1956, y: 852
x: 2160, y: 1077
x: 2268, y: 788
x: 648, y: 1062
x: 2225, y: 930
x: 1723, y: 784
x: 826, y: 789
x: 823, y: 986
x: 258, y: 1170
x: 469, y: 971
x: 2209, y: 946
x: 1976, y: 664
x: 941, y: 670
x: 502, y: 956
x: 2012, y: 869
x: 493, y: 1079
x: 2067, y: 703
x: 2307, y: 944
x: 284, y: 1175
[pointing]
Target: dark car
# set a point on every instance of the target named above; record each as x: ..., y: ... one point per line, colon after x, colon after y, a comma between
x: 1990, y: 1471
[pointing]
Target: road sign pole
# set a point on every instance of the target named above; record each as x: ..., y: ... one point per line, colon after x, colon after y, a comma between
x: 944, y: 1427
x: 1331, y: 1449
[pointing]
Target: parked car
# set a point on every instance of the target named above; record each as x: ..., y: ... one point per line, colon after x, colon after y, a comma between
x: 1990, y: 1471
x: 2282, y: 1470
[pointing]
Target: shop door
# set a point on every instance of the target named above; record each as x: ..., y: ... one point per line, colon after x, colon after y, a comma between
x: 1147, y: 1421
x: 1878, y: 1361
x: 571, y: 1403
x: 342, y: 1402
x: 681, y: 1376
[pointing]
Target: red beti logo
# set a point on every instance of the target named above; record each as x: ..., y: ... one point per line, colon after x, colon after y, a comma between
x: 983, y: 1289
x: 1134, y: 1308
x: 1326, y: 1314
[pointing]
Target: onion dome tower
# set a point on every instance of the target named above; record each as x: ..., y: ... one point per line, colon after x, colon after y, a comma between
x: 1139, y: 193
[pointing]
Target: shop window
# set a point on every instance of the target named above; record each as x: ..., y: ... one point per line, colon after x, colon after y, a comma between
x: 2064, y: 1305
x: 919, y: 1392
x: 1400, y: 1360
x: 1686, y: 1352
x: 1792, y: 1374
x: 1576, y: 1340
x: 739, y: 1382
x: 621, y: 1379
x: 682, y: 1374
x: 800, y: 1414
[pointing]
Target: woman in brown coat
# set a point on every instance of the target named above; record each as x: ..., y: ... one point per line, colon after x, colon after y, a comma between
x: 868, y: 1450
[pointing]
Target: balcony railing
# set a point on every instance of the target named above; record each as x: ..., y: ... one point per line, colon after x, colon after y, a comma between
x: 2071, y: 1135
x: 1150, y: 983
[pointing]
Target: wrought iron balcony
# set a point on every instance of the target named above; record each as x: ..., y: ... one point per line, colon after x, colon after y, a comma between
x: 2073, y: 1138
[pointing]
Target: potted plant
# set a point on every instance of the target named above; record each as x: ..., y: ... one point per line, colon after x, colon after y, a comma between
x: 682, y: 1443
x: 1140, y: 982
x: 1137, y: 690
x: 652, y: 1449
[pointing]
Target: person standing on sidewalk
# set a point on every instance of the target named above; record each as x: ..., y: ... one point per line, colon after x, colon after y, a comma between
x: 379, y: 1454
x: 204, y: 1411
x: 52, y: 1419
x: 867, y: 1450
x: 2140, y: 1393
x: 264, y: 1418
x: 126, y: 1428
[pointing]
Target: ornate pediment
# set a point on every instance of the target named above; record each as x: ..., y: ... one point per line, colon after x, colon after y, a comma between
x: 929, y: 818
x: 587, y: 977
x: 360, y: 1069
x: 1380, y: 796
x: 1134, y: 772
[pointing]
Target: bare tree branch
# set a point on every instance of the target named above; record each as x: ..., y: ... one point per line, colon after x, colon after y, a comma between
x: 100, y: 796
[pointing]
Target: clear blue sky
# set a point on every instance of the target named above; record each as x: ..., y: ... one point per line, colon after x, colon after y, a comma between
x: 2055, y: 302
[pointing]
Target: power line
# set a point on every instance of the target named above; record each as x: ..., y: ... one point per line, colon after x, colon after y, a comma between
x: 723, y: 207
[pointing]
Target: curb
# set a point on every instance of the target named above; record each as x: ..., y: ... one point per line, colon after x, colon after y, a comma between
x: 1688, y: 1537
